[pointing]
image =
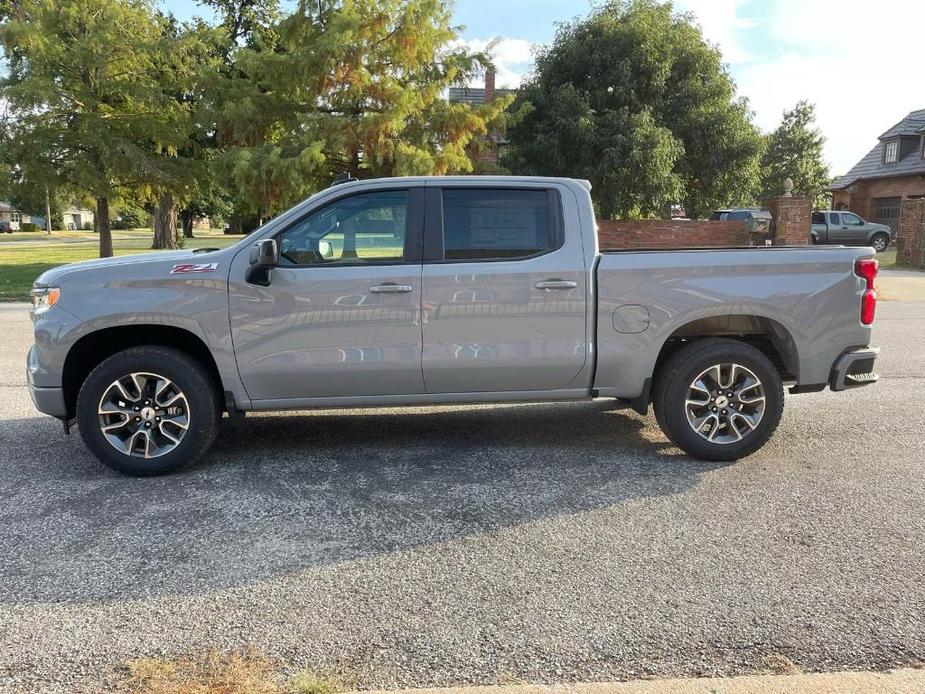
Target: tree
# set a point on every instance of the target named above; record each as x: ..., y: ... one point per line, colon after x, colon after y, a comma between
x: 794, y: 150
x: 634, y: 99
x: 83, y: 86
x: 349, y: 86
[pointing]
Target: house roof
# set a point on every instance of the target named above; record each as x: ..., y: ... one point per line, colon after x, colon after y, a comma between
x: 474, y: 95
x: 912, y: 124
x: 6, y: 207
x: 872, y: 166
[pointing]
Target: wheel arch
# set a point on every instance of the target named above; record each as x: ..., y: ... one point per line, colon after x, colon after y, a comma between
x: 93, y: 348
x: 769, y: 336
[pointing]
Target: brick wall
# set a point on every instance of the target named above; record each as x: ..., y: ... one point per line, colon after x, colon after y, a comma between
x: 859, y: 197
x: 792, y: 220
x: 910, y: 242
x: 661, y: 233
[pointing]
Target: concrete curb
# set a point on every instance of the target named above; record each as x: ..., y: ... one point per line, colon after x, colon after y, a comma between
x: 904, y: 681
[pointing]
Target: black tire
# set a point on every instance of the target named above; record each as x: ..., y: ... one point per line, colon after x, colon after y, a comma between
x: 189, y: 376
x: 674, y: 380
x: 880, y: 242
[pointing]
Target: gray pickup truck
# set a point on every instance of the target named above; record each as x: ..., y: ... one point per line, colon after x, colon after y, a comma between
x: 848, y: 229
x: 413, y: 291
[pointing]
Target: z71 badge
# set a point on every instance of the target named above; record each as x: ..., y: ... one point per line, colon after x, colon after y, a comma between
x: 183, y: 268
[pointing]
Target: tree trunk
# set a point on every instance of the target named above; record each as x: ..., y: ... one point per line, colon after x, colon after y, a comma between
x: 186, y: 217
x: 234, y: 224
x: 101, y: 222
x: 47, y: 211
x: 165, y: 222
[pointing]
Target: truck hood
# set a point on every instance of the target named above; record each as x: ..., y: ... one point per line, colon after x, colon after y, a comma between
x: 56, y: 274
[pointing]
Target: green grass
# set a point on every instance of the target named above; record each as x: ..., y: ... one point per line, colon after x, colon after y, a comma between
x: 887, y: 259
x: 25, y: 256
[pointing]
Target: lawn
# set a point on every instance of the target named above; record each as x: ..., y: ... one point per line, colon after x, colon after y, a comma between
x: 25, y: 256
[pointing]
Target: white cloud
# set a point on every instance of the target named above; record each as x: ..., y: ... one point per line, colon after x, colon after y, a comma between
x: 723, y: 25
x: 859, y: 62
x: 513, y: 58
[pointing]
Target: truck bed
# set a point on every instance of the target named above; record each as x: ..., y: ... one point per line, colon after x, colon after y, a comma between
x: 808, y: 295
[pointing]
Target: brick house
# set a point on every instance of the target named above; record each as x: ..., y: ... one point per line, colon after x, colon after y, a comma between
x: 478, y: 96
x: 891, y: 173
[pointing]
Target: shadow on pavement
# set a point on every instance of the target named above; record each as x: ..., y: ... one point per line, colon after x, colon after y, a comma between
x: 286, y: 493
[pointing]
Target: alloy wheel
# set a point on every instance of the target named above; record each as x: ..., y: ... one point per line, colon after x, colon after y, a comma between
x: 144, y: 415
x: 725, y: 403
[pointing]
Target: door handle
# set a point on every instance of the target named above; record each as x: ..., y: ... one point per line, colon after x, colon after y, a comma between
x: 556, y: 284
x: 391, y: 289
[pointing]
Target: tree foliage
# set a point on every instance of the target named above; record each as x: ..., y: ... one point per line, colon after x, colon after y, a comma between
x: 634, y: 99
x: 794, y: 150
x: 348, y: 86
x: 85, y: 88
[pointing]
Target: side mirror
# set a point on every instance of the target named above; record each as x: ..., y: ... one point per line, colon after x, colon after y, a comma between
x: 264, y: 256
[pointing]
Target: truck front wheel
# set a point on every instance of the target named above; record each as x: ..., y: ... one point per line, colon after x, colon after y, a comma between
x: 880, y: 242
x: 148, y: 411
x: 718, y: 399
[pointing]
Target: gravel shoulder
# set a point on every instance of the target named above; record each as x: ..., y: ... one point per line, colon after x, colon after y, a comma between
x: 475, y: 545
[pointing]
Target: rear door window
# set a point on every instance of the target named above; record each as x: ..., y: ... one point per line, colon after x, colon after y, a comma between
x: 834, y: 218
x: 487, y: 224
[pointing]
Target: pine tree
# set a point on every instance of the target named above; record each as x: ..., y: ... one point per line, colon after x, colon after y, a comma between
x: 794, y: 150
x: 349, y: 86
x: 84, y: 92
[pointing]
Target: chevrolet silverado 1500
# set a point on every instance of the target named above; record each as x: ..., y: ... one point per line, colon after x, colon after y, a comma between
x: 412, y: 291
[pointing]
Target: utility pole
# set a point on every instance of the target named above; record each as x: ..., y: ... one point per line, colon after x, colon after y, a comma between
x: 47, y: 212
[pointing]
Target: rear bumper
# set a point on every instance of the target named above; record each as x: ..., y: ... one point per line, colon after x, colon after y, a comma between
x: 854, y: 369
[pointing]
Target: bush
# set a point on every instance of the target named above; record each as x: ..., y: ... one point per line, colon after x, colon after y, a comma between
x: 28, y: 226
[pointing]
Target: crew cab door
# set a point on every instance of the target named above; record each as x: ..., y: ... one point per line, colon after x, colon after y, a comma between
x: 854, y: 228
x: 838, y: 232
x: 341, y: 314
x: 505, y: 290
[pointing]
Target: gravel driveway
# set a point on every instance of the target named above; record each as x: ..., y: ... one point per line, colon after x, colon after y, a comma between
x: 475, y: 544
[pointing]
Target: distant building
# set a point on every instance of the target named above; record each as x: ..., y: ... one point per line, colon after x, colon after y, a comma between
x: 12, y: 218
x: 478, y: 96
x: 76, y: 218
x: 891, y: 173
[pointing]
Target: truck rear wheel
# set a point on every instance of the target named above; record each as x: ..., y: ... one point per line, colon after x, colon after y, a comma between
x: 148, y: 411
x: 718, y: 399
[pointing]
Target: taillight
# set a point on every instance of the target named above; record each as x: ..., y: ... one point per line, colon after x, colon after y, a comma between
x: 866, y: 269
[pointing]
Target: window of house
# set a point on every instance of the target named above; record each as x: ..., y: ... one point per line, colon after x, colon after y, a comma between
x: 887, y: 209
x: 15, y: 216
x: 358, y: 229
x: 891, y: 152
x: 485, y: 224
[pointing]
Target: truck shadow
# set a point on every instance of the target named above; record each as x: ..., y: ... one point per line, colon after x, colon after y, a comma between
x: 288, y: 493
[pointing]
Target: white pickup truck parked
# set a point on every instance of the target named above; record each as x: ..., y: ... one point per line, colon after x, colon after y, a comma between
x: 411, y: 291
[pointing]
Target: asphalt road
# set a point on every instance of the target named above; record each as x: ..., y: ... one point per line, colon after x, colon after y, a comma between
x: 475, y: 544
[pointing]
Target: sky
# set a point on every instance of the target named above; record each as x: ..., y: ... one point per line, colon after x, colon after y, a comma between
x: 860, y: 62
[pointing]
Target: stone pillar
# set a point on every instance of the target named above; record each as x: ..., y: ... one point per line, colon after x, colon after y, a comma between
x: 910, y: 242
x: 793, y: 219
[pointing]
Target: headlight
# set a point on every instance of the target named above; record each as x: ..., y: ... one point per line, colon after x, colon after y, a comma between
x: 43, y: 298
